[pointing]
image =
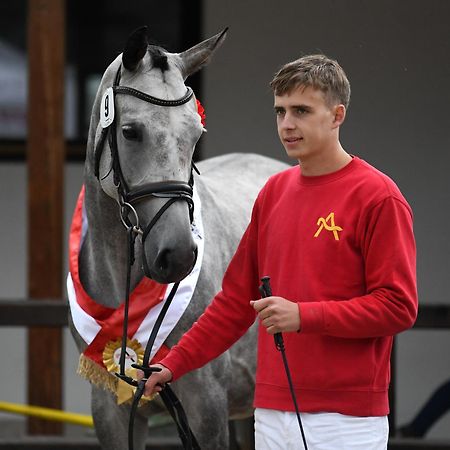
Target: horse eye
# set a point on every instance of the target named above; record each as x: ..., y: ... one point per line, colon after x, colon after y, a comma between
x: 131, y: 133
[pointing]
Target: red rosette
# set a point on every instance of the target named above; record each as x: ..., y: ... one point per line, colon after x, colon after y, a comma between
x: 201, y: 112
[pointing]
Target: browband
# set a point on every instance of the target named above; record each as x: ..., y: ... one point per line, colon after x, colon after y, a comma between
x: 154, y: 100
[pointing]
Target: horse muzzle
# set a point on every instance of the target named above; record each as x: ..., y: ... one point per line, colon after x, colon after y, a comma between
x: 170, y: 264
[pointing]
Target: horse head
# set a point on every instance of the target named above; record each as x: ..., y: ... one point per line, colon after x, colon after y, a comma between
x: 143, y: 142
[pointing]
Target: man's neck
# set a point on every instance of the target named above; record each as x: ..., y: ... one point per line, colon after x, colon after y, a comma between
x: 326, y: 163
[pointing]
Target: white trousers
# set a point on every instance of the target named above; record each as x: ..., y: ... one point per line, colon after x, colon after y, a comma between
x: 279, y: 430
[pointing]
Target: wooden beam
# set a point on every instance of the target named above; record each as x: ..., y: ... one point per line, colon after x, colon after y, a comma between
x: 53, y: 312
x: 45, y: 147
x: 435, y: 316
x: 29, y: 313
x: 16, y: 150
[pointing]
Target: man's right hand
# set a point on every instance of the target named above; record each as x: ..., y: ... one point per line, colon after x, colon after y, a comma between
x: 156, y: 381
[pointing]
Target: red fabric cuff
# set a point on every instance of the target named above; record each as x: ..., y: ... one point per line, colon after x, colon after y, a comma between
x: 312, y: 318
x: 173, y: 361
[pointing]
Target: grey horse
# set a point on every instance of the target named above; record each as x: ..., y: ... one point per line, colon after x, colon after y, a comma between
x: 155, y: 145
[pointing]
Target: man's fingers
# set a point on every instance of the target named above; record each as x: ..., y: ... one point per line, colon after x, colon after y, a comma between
x: 148, y: 391
x: 157, y: 380
x: 151, y: 387
x: 259, y: 305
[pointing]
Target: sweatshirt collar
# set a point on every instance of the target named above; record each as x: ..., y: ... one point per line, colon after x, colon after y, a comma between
x: 329, y: 177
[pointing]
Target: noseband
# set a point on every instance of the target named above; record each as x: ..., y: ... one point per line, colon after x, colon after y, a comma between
x: 127, y: 197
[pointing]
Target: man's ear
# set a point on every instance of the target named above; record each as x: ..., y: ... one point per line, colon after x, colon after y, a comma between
x: 339, y: 115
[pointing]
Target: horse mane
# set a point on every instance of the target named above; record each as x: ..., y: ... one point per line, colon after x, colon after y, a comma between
x: 159, y: 58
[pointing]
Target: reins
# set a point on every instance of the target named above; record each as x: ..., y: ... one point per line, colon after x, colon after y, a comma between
x: 167, y: 395
x: 173, y: 191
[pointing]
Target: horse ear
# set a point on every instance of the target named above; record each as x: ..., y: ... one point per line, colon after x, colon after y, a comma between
x: 135, y: 48
x: 198, y: 56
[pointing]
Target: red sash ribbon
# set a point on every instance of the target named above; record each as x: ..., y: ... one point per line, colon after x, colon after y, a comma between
x: 145, y: 296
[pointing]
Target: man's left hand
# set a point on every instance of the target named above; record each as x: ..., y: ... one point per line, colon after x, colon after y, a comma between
x: 277, y: 314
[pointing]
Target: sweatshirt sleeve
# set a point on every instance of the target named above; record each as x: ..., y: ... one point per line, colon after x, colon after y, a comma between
x: 390, y: 305
x: 227, y: 317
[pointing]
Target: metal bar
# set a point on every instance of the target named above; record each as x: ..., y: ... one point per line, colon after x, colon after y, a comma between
x: 48, y: 414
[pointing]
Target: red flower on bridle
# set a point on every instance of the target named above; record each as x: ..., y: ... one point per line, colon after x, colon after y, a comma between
x: 201, y: 112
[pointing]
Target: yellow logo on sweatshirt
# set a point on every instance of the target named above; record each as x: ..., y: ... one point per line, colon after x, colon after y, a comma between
x: 323, y: 223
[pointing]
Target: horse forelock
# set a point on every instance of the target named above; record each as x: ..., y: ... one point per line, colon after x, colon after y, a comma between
x: 158, y: 57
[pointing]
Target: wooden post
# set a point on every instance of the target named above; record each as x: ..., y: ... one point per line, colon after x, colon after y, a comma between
x: 45, y: 147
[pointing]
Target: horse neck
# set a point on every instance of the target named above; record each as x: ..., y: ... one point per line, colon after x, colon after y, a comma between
x: 103, y: 256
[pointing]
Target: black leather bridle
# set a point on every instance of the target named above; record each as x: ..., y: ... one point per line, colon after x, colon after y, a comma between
x: 173, y: 191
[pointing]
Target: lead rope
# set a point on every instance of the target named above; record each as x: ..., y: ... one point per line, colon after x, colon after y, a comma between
x: 266, y: 291
x: 169, y: 398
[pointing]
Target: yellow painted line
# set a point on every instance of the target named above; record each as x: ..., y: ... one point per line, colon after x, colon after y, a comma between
x: 48, y: 414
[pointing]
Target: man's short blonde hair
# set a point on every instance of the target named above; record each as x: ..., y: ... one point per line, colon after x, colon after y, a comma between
x: 318, y: 72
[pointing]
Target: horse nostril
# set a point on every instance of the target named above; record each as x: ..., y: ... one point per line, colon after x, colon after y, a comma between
x: 169, y: 262
x: 162, y: 260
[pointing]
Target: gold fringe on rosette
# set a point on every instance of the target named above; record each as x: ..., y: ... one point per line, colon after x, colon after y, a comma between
x: 106, y: 378
x: 97, y: 375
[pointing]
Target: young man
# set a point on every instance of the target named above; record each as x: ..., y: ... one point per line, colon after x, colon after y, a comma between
x: 335, y: 235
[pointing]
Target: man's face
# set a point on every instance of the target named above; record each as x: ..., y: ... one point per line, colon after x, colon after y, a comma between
x: 306, y: 124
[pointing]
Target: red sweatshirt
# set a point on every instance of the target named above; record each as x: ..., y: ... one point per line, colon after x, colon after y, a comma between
x: 340, y: 245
